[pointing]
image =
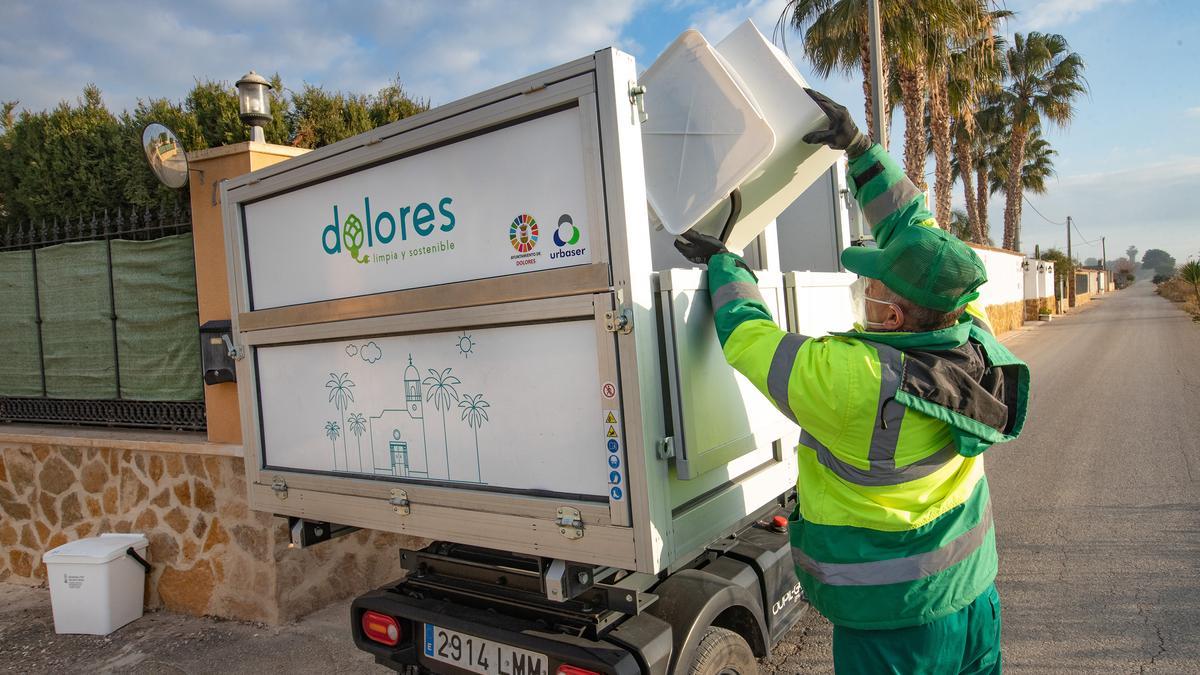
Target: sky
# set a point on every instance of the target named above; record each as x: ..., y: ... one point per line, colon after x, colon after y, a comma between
x: 1128, y: 164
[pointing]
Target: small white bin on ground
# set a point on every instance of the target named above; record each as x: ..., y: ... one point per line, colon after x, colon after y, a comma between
x: 95, y: 585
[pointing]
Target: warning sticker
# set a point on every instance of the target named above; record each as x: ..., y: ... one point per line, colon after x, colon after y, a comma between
x: 612, y: 432
x: 609, y: 390
x: 610, y: 418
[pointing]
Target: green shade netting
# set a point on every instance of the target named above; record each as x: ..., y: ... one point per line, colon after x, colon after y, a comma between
x: 154, y: 285
x: 77, y: 335
x: 20, y: 370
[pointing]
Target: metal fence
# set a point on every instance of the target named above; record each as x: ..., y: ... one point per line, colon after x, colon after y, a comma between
x: 131, y: 234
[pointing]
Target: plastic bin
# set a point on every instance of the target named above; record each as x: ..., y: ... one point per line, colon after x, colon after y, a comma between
x: 724, y: 118
x: 95, y: 585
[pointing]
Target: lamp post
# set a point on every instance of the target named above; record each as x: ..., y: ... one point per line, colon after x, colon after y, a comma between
x: 254, y: 105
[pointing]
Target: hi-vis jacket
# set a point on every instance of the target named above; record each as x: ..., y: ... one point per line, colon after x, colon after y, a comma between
x: 894, y: 524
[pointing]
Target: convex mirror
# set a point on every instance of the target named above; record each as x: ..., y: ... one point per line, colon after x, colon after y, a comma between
x: 165, y: 153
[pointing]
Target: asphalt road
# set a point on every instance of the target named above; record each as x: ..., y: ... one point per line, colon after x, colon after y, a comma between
x: 1097, y: 505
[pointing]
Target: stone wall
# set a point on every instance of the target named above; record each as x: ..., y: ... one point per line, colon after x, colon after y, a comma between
x: 210, y: 554
x: 1006, y: 317
x: 1034, y: 307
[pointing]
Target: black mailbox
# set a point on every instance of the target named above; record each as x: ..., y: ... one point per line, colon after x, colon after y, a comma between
x: 215, y: 344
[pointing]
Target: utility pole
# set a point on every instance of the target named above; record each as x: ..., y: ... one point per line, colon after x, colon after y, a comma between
x: 1104, y: 263
x: 1070, y: 268
x: 878, y: 131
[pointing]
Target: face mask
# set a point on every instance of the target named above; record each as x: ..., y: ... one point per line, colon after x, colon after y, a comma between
x: 858, y: 304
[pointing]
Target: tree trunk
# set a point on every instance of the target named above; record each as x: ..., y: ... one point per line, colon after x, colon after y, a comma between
x: 962, y: 147
x: 912, y: 93
x: 865, y: 58
x: 981, y: 200
x: 1012, y: 189
x: 939, y: 123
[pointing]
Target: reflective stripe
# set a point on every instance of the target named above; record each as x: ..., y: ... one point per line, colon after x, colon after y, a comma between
x: 889, y: 415
x: 735, y: 290
x: 898, y: 570
x: 889, y: 201
x: 780, y: 373
x: 878, y: 476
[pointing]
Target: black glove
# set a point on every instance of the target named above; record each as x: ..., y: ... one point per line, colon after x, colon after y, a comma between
x: 698, y: 247
x: 842, y: 134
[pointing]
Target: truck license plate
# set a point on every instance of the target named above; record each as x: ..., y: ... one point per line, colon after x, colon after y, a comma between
x: 481, y: 656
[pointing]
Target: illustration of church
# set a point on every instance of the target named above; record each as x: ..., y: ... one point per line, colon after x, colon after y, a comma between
x: 399, y: 444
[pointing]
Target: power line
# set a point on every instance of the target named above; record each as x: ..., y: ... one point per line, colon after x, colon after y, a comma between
x: 1085, y: 239
x: 1040, y: 213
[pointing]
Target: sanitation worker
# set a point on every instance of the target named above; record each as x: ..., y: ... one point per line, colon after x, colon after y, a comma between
x: 892, y: 537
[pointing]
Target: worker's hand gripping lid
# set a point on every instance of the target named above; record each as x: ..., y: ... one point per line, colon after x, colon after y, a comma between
x: 924, y: 265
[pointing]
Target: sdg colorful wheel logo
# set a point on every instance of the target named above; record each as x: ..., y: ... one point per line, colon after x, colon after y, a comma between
x: 523, y: 233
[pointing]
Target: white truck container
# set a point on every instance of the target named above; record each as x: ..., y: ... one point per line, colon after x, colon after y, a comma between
x: 451, y: 327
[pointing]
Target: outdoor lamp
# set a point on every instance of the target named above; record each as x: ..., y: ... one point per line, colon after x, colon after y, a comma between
x: 254, y: 105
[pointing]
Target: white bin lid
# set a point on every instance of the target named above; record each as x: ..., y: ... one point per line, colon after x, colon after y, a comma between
x: 704, y: 135
x: 95, y: 550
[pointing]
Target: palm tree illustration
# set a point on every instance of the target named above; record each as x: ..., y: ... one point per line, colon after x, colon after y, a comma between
x: 441, y: 392
x: 357, y: 424
x: 475, y: 413
x: 332, y: 430
x: 339, y: 387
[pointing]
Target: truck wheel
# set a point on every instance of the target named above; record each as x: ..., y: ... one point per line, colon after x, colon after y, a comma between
x: 723, y: 652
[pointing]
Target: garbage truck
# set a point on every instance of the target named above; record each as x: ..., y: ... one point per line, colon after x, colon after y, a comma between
x: 470, y: 326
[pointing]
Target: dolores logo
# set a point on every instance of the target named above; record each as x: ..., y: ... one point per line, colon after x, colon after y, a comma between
x: 354, y: 234
x: 566, y: 236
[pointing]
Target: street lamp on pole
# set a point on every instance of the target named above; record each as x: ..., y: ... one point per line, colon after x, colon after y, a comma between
x: 254, y: 104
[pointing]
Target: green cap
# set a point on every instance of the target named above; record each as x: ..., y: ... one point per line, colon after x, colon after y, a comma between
x: 925, y: 265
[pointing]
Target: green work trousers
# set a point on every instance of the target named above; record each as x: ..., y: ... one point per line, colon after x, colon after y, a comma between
x: 967, y: 641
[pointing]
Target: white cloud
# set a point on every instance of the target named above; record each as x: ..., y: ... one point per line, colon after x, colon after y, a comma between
x: 1193, y: 112
x: 716, y: 23
x: 1046, y: 14
x: 440, y: 50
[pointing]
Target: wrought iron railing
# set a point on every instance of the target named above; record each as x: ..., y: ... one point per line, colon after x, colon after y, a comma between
x: 134, y: 225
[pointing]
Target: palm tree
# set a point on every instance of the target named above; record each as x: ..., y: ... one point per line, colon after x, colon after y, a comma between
x: 339, y: 387
x: 441, y: 392
x: 1044, y: 77
x: 475, y: 413
x: 1038, y: 166
x: 973, y: 71
x: 357, y: 424
x: 1190, y: 273
x: 332, y: 430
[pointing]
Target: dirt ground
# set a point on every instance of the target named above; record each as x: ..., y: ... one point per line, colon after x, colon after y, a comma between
x: 162, y: 642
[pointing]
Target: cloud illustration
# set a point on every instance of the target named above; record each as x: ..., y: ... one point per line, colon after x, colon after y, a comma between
x: 351, y: 350
x: 370, y: 352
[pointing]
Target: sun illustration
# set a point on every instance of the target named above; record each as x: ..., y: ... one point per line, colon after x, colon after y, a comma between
x: 466, y: 345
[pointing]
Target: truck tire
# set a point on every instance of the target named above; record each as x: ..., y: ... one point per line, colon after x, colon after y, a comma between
x: 723, y: 652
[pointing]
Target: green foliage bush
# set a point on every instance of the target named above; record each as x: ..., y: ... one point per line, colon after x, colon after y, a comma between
x: 80, y: 158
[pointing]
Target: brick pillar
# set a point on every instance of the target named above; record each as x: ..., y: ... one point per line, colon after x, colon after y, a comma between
x: 212, y: 287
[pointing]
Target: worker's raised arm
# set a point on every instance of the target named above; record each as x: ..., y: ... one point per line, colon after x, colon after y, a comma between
x: 887, y: 198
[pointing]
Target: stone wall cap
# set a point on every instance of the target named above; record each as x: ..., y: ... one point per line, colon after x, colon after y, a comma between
x: 188, y: 443
x: 243, y: 147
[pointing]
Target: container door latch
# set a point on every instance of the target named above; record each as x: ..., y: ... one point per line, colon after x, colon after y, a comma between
x: 570, y: 522
x: 279, y: 487
x: 400, y: 503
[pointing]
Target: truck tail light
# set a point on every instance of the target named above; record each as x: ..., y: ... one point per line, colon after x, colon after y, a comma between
x: 575, y: 670
x: 381, y: 628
